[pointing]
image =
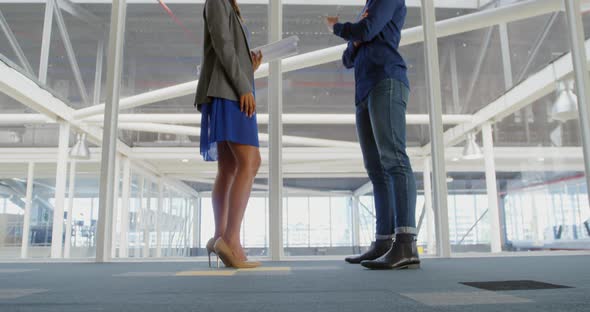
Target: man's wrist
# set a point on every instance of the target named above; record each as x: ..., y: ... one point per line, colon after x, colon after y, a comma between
x: 337, y: 29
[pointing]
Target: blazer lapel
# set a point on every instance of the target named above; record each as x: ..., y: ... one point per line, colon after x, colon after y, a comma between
x: 243, y: 34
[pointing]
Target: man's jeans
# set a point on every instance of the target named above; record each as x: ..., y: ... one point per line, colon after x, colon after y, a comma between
x: 381, y: 126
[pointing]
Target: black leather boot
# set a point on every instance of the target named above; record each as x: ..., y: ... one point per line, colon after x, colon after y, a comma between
x: 402, y: 255
x: 378, y: 248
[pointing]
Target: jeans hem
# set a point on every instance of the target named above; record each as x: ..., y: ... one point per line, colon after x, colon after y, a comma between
x: 388, y: 236
x: 406, y: 230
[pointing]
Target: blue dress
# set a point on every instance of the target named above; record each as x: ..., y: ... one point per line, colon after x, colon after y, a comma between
x: 222, y: 121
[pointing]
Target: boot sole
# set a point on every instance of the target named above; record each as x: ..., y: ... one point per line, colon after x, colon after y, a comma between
x: 409, y: 266
x: 412, y: 266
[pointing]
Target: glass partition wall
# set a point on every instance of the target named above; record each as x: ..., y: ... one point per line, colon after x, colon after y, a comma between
x: 513, y: 151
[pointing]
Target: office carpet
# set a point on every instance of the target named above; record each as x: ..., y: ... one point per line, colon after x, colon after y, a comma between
x: 441, y: 285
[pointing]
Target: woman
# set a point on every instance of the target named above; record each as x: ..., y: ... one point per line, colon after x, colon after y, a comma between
x: 229, y: 131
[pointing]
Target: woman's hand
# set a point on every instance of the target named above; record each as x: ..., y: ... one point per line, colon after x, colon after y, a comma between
x: 256, y: 59
x: 331, y: 21
x: 248, y: 104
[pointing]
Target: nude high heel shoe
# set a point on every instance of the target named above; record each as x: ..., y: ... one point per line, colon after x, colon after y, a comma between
x: 211, y: 250
x: 229, y: 258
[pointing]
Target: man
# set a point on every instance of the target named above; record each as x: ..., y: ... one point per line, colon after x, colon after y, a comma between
x: 382, y: 90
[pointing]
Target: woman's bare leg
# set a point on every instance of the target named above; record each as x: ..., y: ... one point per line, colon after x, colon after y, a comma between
x: 226, y: 172
x: 248, y: 162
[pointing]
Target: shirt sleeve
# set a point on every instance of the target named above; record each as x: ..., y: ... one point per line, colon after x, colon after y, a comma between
x: 349, y: 55
x: 380, y: 12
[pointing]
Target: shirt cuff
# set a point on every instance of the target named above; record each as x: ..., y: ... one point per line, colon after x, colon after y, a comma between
x: 338, y: 27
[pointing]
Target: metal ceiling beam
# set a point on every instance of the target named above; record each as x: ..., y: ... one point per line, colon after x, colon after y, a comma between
x: 508, y: 159
x: 65, y: 37
x: 521, y: 95
x: 20, y: 119
x: 485, y: 3
x: 483, y: 52
x: 82, y: 14
x: 195, y: 131
x: 14, y: 44
x: 46, y: 40
x: 364, y: 189
x: 445, y: 28
x: 27, y: 92
x: 454, y: 81
x: 98, y: 72
x: 292, y: 119
x: 506, y: 56
x: 19, y: 87
x: 299, y: 162
x: 537, y: 46
x: 286, y: 189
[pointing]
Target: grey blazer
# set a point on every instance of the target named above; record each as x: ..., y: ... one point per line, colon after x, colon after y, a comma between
x: 226, y: 68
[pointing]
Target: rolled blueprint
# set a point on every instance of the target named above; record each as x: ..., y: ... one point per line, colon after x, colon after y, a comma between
x: 279, y: 49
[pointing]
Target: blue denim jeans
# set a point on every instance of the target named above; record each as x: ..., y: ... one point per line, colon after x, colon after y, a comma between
x: 381, y: 127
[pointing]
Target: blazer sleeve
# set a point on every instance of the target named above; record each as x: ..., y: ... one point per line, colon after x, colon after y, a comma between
x: 380, y: 12
x: 217, y: 13
x: 349, y: 55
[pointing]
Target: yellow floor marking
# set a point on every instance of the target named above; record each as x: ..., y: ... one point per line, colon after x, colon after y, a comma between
x: 267, y: 269
x: 207, y: 273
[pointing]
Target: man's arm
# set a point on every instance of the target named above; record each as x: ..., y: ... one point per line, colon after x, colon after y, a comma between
x: 378, y: 14
x: 349, y: 55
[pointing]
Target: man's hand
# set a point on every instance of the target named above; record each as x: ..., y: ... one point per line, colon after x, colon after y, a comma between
x: 357, y: 44
x: 331, y: 21
x: 256, y: 59
x: 248, y: 104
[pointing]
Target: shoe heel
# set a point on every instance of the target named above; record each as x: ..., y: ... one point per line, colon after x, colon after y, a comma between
x: 217, y: 261
x: 209, y: 255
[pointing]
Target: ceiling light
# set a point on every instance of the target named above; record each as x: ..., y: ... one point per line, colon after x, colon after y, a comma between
x: 80, y: 149
x: 185, y: 161
x: 566, y: 105
x: 471, y: 150
x: 450, y: 179
x: 455, y: 159
x: 15, y: 137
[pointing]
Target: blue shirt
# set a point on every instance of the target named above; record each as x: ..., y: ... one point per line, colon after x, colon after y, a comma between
x: 377, y: 58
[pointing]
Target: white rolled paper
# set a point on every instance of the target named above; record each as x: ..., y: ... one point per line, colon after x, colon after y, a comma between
x: 279, y: 49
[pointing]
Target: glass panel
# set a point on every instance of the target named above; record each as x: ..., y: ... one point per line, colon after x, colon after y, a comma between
x: 367, y: 220
x: 255, y: 227
x: 134, y: 216
x: 341, y: 222
x: 84, y: 211
x: 297, y: 212
x: 42, y: 212
x: 320, y: 222
x: 13, y: 185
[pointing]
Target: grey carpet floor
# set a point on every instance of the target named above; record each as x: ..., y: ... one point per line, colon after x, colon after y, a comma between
x: 295, y: 286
